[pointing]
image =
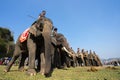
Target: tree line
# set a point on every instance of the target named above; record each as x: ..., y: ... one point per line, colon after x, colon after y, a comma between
x: 6, y: 42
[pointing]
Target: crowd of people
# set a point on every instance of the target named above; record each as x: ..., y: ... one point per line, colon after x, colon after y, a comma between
x: 112, y: 62
x: 5, y: 60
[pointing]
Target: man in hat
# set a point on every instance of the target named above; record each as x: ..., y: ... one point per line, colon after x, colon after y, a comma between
x: 55, y: 32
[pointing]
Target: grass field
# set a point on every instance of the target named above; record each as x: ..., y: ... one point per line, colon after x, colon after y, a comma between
x: 78, y: 73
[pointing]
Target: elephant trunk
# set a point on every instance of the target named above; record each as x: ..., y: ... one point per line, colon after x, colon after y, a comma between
x: 47, y: 44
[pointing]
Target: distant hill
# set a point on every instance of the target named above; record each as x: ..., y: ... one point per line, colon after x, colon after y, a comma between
x: 110, y: 60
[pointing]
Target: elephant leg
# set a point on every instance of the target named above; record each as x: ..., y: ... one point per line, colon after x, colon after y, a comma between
x: 85, y: 61
x: 42, y: 65
x: 78, y: 61
x: 14, y: 58
x: 62, y: 58
x: 96, y: 63
x: 91, y: 62
x: 52, y: 57
x: 48, y: 66
x: 48, y: 52
x: 57, y: 58
x: 74, y: 62
x: 22, y: 61
x: 32, y: 54
x: 68, y: 61
x: 38, y: 63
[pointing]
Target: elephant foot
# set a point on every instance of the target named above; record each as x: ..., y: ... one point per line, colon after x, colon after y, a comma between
x: 37, y: 70
x: 6, y: 70
x: 31, y: 72
x: 48, y: 75
x: 60, y: 67
x: 42, y: 73
x: 22, y: 69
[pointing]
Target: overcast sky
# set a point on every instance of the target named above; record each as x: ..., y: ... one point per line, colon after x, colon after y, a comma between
x: 89, y: 24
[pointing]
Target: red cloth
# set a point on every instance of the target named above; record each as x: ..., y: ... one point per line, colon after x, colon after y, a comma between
x: 24, y: 35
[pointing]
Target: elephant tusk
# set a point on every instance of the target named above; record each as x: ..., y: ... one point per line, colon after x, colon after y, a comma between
x: 69, y: 53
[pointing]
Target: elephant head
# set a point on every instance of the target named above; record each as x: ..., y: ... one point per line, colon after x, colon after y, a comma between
x: 41, y: 25
x: 63, y: 43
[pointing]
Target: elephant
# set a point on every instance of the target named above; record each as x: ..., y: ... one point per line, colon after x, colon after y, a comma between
x: 80, y: 59
x: 85, y: 57
x: 90, y: 58
x: 73, y: 58
x: 96, y: 60
x: 79, y: 56
x: 63, y: 54
x: 37, y: 44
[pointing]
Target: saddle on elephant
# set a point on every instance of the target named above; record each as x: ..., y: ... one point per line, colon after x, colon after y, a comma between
x: 24, y: 35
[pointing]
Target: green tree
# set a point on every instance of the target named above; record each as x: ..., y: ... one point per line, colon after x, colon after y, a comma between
x: 6, y: 42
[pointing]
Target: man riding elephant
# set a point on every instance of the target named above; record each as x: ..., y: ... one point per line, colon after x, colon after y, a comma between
x: 63, y: 50
x: 38, y: 44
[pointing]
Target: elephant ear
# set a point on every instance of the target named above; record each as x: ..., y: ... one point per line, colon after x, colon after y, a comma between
x: 33, y: 30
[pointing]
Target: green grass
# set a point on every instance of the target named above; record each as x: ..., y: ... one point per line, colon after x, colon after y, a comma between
x: 78, y: 73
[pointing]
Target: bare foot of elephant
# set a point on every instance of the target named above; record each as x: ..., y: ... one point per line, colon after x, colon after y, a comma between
x: 42, y: 72
x: 31, y: 72
x: 48, y: 75
x: 22, y: 69
x: 5, y: 70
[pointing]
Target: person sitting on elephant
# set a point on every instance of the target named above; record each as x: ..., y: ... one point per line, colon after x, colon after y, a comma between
x: 54, y: 32
x: 25, y: 34
x: 41, y: 16
x: 35, y: 25
x: 53, y: 36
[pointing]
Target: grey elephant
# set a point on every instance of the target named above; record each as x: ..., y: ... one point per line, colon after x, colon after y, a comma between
x: 90, y: 58
x: 73, y: 58
x: 63, y: 54
x: 96, y: 60
x: 80, y: 58
x: 37, y: 44
x: 85, y: 57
